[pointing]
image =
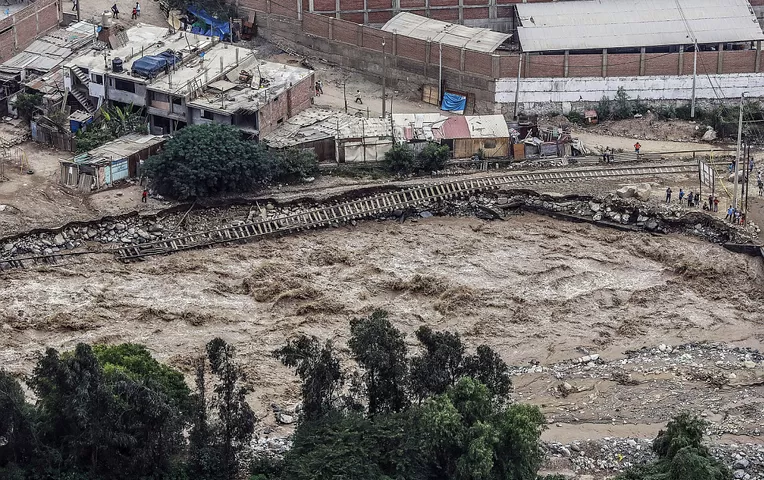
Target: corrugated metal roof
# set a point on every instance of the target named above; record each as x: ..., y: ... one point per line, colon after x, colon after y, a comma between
x: 423, y: 28
x: 455, y: 127
x: 602, y: 24
x: 46, y: 53
x: 316, y: 124
x: 487, y: 126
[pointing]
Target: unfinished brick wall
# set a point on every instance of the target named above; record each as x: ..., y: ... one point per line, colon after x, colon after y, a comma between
x: 301, y: 96
x: 22, y: 28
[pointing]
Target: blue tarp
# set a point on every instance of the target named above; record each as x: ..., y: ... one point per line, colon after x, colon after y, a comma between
x: 150, y: 65
x: 453, y: 102
x: 214, y: 27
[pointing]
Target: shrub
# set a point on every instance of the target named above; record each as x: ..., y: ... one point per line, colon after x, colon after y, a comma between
x: 400, y: 159
x: 433, y: 157
x: 26, y: 104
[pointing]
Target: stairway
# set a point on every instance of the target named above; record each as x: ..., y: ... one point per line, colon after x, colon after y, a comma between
x: 82, y: 76
x: 83, y: 99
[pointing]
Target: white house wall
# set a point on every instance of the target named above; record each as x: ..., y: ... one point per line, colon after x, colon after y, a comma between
x: 564, y: 91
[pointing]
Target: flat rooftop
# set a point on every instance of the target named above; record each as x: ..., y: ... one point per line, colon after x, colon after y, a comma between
x: 316, y: 124
x: 197, y: 72
x: 229, y: 95
x: 142, y: 40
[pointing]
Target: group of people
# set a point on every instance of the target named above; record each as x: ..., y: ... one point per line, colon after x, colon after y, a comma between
x: 319, y: 88
x: 735, y: 216
x: 115, y: 10
x: 693, y: 200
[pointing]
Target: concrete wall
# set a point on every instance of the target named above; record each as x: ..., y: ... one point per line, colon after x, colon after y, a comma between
x: 23, y: 27
x: 138, y: 98
x: 195, y: 117
x: 559, y: 94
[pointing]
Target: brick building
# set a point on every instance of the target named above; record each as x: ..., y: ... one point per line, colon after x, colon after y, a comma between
x: 24, y: 22
x: 188, y: 79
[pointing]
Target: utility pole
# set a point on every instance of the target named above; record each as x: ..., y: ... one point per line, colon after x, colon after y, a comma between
x: 344, y: 93
x: 694, y: 77
x: 384, y: 78
x: 739, y: 140
x: 517, y: 86
x: 78, y: 14
x: 440, y: 72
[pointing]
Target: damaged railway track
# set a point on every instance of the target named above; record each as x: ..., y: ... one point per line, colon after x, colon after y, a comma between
x: 365, y: 207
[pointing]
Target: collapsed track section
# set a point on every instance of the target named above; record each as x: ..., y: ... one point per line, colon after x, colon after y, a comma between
x: 374, y: 205
x: 365, y: 207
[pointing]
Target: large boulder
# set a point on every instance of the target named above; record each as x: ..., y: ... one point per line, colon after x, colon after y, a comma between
x: 627, y: 191
x: 709, y: 135
x: 643, y: 191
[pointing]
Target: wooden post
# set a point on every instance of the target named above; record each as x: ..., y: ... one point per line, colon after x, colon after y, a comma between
x: 758, y: 56
x: 604, y: 62
x: 642, y: 61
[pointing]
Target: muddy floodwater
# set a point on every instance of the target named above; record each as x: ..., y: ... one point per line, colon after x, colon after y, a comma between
x: 541, y: 292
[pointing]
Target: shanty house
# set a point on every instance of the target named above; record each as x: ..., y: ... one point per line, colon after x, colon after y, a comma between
x: 117, y: 160
x: 464, y: 135
x: 334, y: 136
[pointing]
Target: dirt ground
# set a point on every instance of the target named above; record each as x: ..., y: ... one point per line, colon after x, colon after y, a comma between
x: 538, y: 290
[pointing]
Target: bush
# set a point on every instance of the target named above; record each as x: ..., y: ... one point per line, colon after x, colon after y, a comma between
x: 294, y: 164
x: 26, y: 104
x: 113, y: 123
x: 433, y: 157
x: 575, y: 117
x: 622, y: 109
x: 400, y: 159
x: 604, y: 108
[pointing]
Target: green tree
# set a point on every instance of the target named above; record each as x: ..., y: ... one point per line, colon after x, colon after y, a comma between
x: 681, y: 454
x: 205, y: 160
x: 226, y: 434
x: 17, y: 420
x: 433, y: 157
x: 27, y: 104
x: 74, y: 404
x: 319, y: 370
x: 380, y: 351
x: 400, y: 159
x: 136, y: 362
x: 487, y: 367
x: 466, y: 435
x: 443, y: 362
x: 623, y: 108
x: 440, y: 364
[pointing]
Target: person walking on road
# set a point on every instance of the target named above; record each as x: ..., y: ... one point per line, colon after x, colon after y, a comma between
x: 138, y: 9
x: 668, y: 195
x: 716, y: 203
x: 144, y: 196
x: 760, y: 184
x: 681, y: 196
x: 358, y: 97
x: 637, y: 146
x: 115, y: 11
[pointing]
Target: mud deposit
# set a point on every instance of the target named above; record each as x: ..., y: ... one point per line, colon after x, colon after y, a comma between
x: 540, y: 291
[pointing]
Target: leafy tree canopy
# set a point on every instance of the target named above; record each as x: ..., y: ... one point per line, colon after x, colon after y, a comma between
x: 210, y: 159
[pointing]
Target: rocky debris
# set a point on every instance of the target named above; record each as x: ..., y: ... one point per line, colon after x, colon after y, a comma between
x: 613, y: 455
x: 629, y: 212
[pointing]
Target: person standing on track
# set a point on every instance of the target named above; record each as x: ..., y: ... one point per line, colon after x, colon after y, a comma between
x: 637, y: 146
x: 668, y: 195
x: 681, y: 196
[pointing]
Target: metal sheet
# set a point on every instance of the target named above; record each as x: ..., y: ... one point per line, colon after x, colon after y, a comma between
x: 487, y: 126
x: 423, y: 28
x: 600, y: 24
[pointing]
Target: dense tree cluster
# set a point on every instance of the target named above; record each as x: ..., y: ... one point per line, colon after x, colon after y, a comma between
x: 441, y: 414
x: 211, y: 159
x: 114, y: 412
